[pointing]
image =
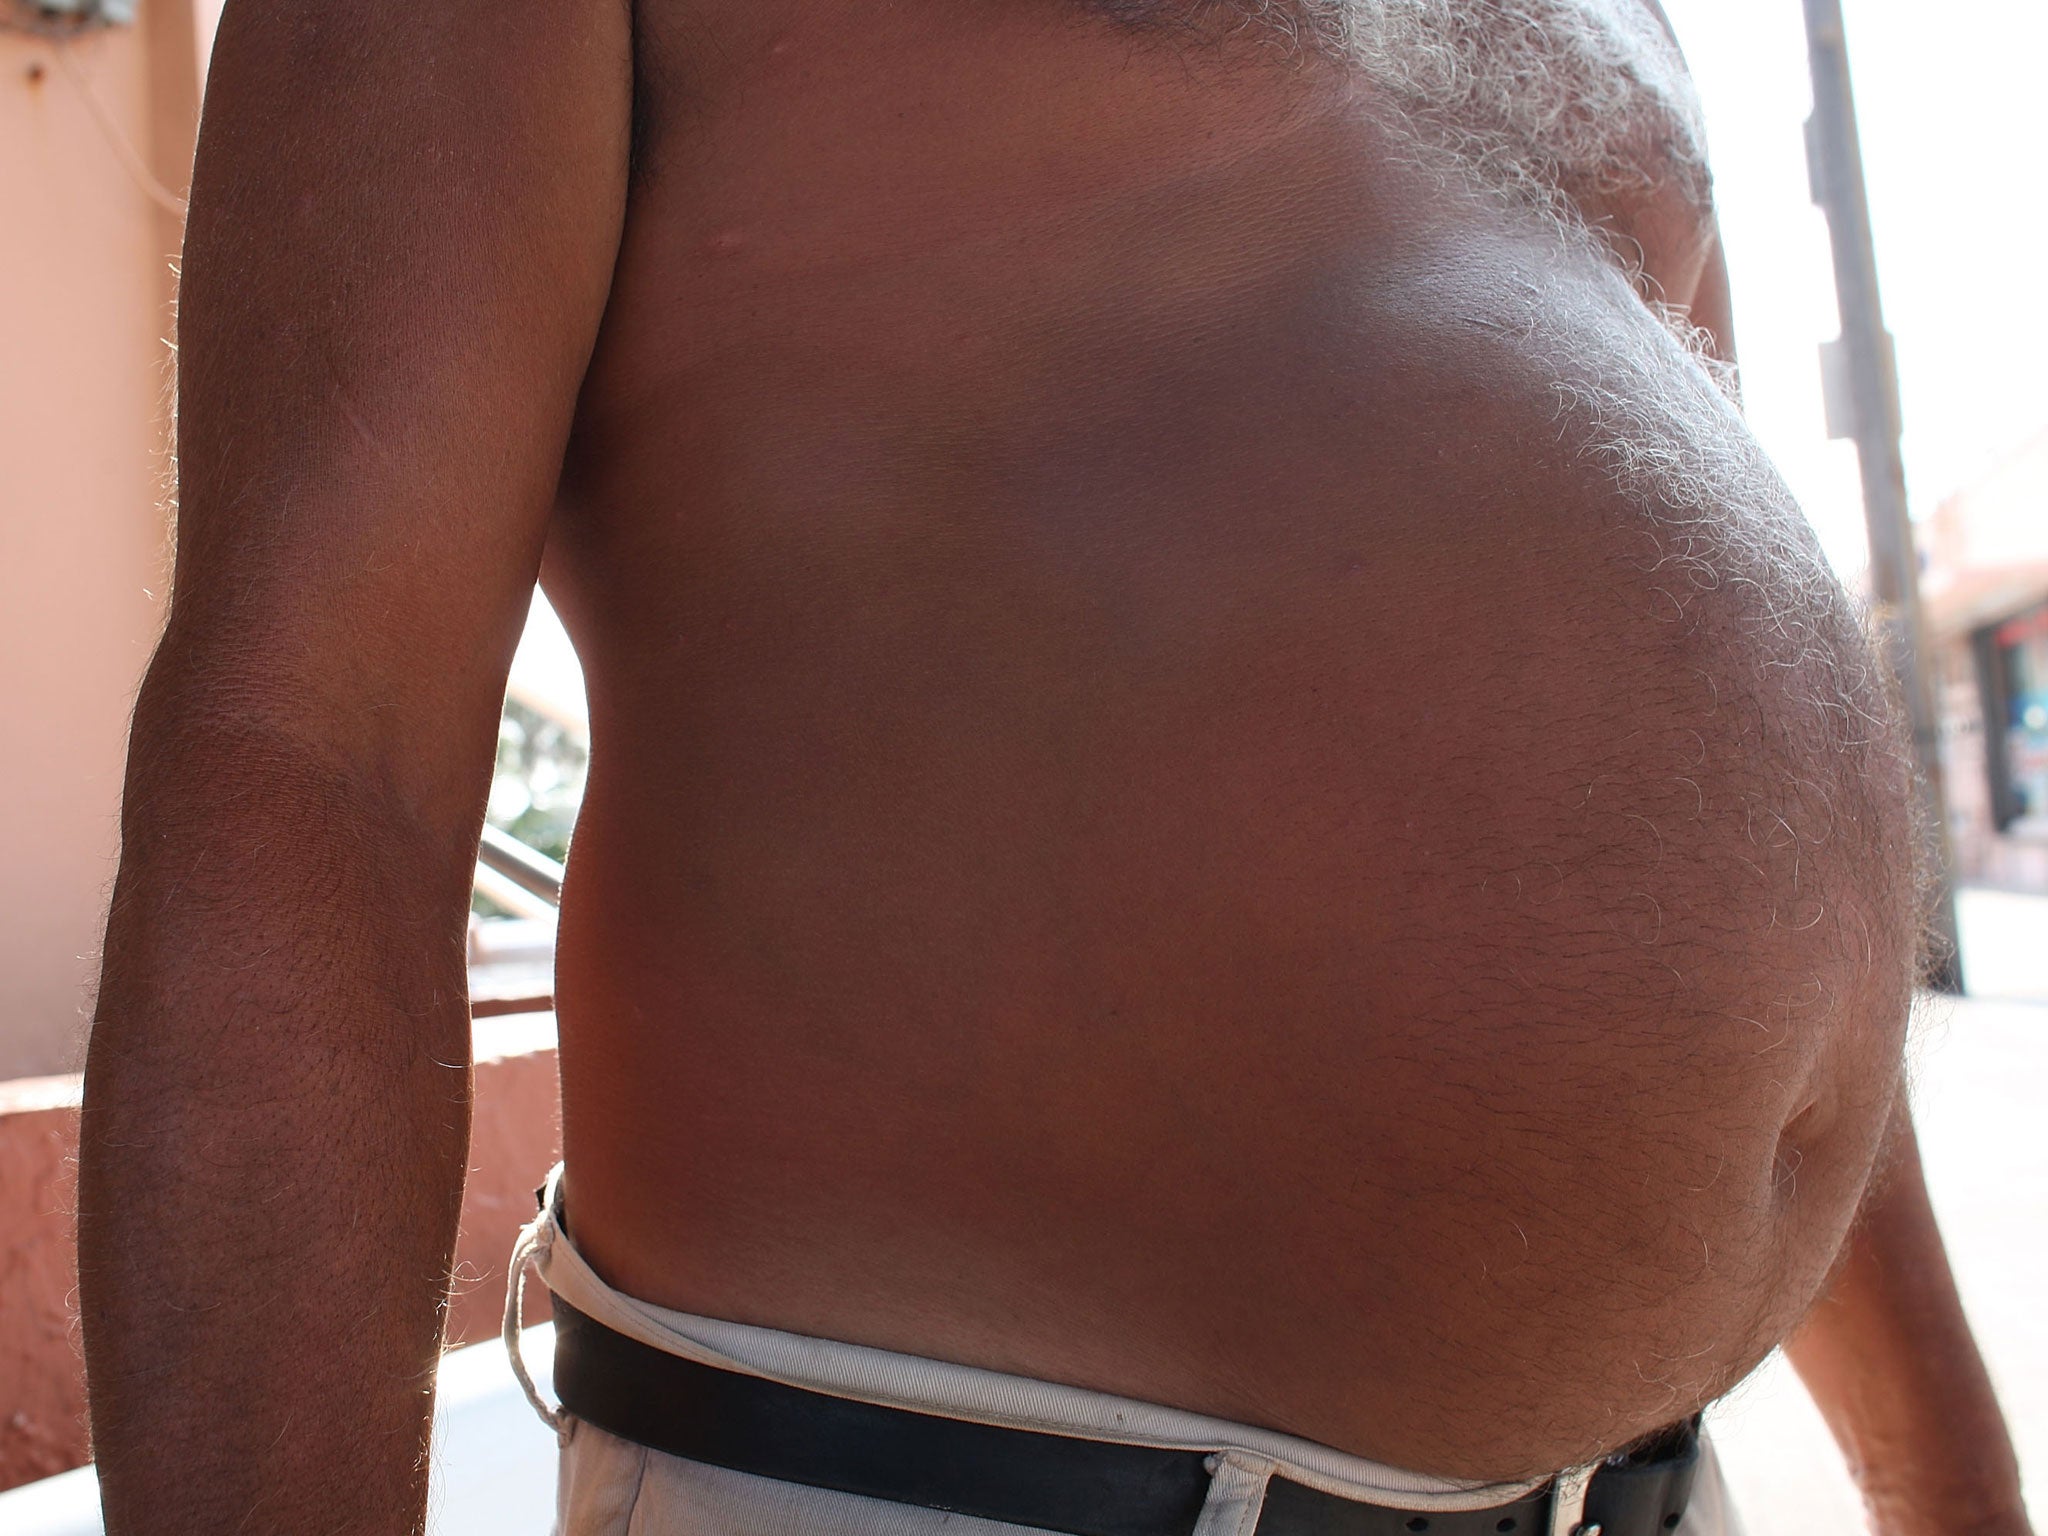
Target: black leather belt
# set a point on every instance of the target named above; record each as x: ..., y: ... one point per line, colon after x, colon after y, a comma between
x: 1020, y: 1476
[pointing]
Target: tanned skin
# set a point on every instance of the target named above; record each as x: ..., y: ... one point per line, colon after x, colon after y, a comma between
x: 403, y: 223
x: 1155, y: 821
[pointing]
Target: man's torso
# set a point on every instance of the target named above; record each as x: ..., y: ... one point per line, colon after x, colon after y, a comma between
x: 1200, y: 783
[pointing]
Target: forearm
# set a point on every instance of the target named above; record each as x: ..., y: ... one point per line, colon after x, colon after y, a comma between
x: 1889, y: 1360
x: 276, y: 1118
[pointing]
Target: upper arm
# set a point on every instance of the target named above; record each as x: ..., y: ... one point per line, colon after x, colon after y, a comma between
x: 403, y: 223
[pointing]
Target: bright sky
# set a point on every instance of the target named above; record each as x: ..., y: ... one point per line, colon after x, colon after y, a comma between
x: 1949, y: 98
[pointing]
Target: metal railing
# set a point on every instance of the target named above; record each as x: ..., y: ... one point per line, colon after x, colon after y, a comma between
x: 503, y: 855
x: 511, y: 959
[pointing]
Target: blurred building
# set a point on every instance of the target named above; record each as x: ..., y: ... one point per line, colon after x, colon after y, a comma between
x: 1985, y: 586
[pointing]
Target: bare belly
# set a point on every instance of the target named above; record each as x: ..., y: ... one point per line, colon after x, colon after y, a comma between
x: 1150, y: 823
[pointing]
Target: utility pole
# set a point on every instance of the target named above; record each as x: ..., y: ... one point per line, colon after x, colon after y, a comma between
x: 1859, y: 378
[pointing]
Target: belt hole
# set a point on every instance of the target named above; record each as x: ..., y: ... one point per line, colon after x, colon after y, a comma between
x: 1418, y: 1524
x: 1506, y: 1525
x: 1671, y: 1522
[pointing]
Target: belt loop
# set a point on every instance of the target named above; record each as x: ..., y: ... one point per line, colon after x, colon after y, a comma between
x: 534, y: 1239
x: 1237, y: 1494
x: 1568, y: 1502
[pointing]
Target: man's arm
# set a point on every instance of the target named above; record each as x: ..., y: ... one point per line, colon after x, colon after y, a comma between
x: 1889, y: 1359
x: 404, y: 218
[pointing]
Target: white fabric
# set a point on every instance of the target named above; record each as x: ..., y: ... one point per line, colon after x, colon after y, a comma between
x: 609, y: 1487
x: 530, y: 1237
x: 1569, y: 1503
x: 1237, y: 1494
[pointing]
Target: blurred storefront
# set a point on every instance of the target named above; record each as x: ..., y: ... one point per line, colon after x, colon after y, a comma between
x: 1985, y: 584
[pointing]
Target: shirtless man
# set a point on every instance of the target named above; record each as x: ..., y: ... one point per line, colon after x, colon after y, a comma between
x: 1220, y: 776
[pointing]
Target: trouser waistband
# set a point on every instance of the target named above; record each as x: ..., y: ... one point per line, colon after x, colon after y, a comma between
x: 1011, y: 1449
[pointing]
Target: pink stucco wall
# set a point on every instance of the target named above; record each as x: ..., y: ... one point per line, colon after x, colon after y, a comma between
x: 42, y: 1388
x: 92, y: 130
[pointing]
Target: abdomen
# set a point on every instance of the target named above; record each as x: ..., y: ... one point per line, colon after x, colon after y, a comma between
x: 1159, y: 818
